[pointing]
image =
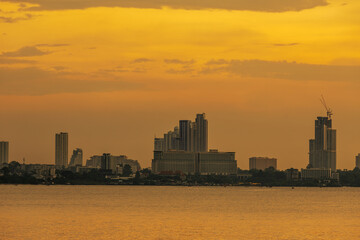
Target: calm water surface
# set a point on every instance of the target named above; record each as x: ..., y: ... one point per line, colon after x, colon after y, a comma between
x: 139, y: 212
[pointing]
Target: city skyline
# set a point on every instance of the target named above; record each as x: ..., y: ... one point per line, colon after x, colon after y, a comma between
x: 114, y: 74
x: 318, y: 156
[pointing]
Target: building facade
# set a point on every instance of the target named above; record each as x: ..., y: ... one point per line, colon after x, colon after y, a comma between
x: 315, y: 173
x: 61, y: 149
x: 205, y: 163
x: 4, y: 152
x: 262, y: 163
x: 159, y: 144
x: 185, y: 135
x: 357, y: 160
x: 322, y: 149
x: 77, y: 157
x: 292, y: 174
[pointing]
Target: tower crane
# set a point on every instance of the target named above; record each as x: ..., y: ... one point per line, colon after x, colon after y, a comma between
x: 328, y: 110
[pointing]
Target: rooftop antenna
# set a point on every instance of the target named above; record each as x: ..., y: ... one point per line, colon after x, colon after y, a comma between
x: 328, y: 110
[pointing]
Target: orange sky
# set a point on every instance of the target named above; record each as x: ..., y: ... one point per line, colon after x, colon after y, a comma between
x: 114, y: 73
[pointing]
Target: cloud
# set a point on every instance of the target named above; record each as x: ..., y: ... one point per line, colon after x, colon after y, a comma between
x: 217, y: 62
x: 139, y: 70
x: 51, y: 45
x: 287, y: 70
x: 178, y: 61
x: 285, y: 44
x: 251, y: 5
x: 5, y: 60
x: 15, y: 19
x: 142, y: 60
x: 35, y: 81
x: 346, y: 61
x: 181, y: 71
x: 27, y: 51
x: 59, y: 68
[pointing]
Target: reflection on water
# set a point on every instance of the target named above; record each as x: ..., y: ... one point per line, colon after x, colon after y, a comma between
x: 139, y: 212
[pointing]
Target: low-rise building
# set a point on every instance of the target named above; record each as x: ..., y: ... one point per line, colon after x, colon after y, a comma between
x: 40, y: 170
x: 110, y: 162
x: 205, y: 163
x: 262, y: 163
x: 316, y: 173
x: 292, y: 174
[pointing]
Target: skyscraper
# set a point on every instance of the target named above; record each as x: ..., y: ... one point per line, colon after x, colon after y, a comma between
x: 4, y: 152
x: 201, y: 136
x: 322, y: 149
x: 193, y: 132
x: 77, y: 157
x: 185, y: 135
x: 105, y: 161
x: 357, y: 160
x: 61, y: 149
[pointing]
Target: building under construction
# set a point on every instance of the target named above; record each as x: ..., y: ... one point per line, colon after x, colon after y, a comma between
x: 322, y: 149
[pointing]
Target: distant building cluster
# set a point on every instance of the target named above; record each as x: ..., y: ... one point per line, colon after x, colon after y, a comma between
x: 113, y: 163
x: 106, y: 161
x: 188, y: 136
x: 185, y: 150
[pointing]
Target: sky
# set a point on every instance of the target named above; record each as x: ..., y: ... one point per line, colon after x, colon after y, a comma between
x: 116, y: 73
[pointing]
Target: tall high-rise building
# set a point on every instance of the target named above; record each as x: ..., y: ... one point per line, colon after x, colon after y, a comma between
x: 201, y: 136
x: 185, y: 135
x: 358, y: 161
x: 322, y: 149
x: 61, y: 149
x: 4, y: 152
x: 105, y: 161
x: 171, y: 140
x: 193, y: 132
x: 77, y: 157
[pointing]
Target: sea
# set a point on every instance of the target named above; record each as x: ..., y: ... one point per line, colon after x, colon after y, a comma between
x: 178, y: 212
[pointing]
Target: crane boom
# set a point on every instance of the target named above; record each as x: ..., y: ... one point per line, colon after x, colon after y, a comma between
x: 328, y: 110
